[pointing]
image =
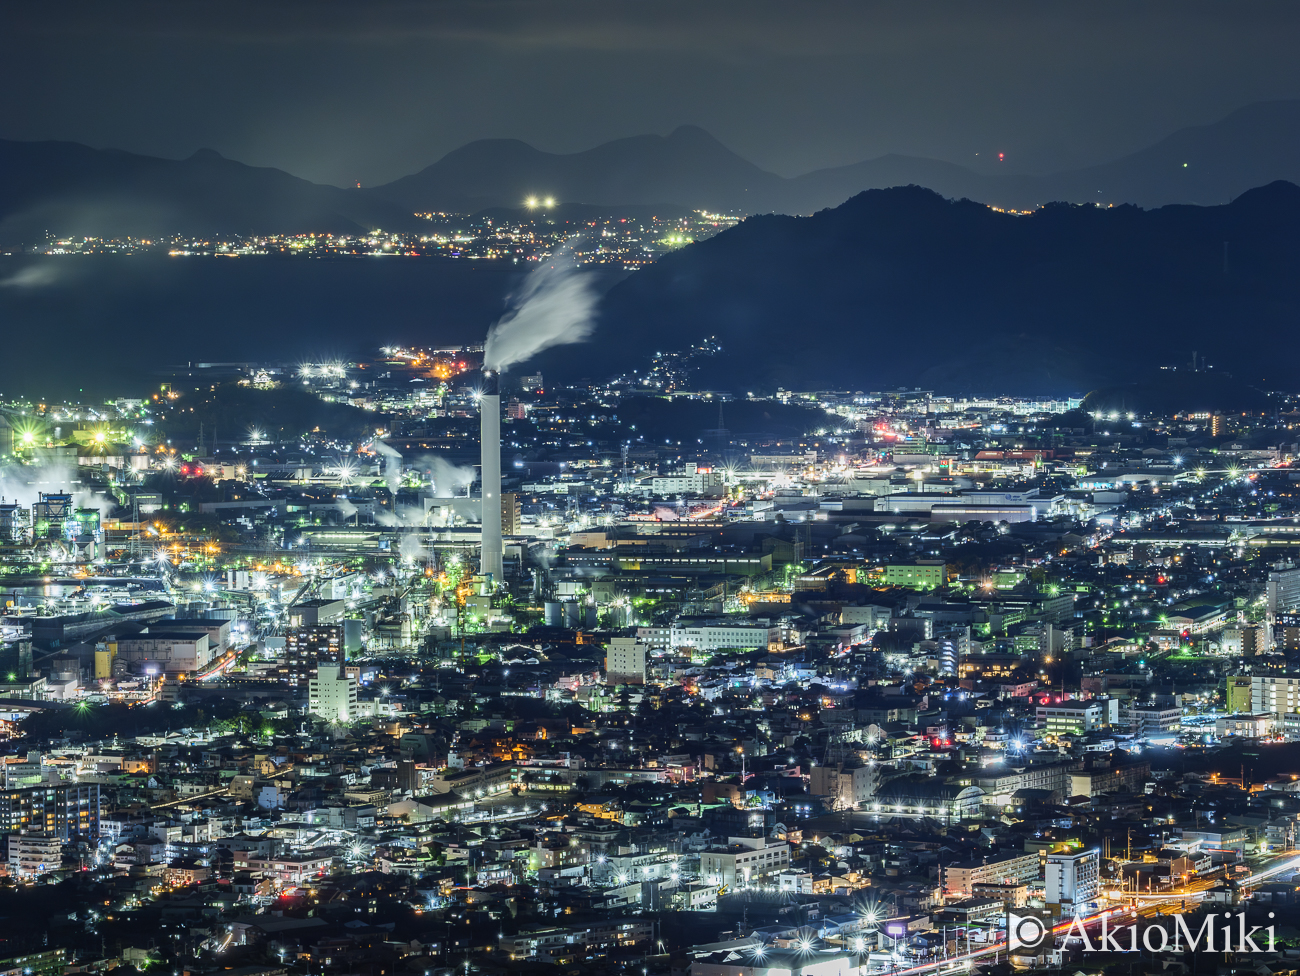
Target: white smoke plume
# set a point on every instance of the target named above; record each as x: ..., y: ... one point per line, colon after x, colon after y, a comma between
x: 554, y: 306
x: 32, y: 276
x: 448, y: 478
x: 94, y: 499
x: 392, y: 464
x: 23, y: 483
x: 346, y: 507
x: 405, y: 515
x: 411, y: 547
x: 410, y: 515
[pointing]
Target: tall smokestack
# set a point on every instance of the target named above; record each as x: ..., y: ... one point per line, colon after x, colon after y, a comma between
x: 489, y: 407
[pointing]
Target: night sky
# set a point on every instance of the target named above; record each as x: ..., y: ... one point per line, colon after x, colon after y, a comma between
x: 345, y: 91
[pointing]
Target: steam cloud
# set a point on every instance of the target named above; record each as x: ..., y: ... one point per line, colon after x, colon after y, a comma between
x: 392, y: 464
x: 93, y: 499
x: 23, y: 483
x: 553, y: 307
x: 32, y: 276
x: 401, y: 515
x: 411, y: 547
x: 449, y: 478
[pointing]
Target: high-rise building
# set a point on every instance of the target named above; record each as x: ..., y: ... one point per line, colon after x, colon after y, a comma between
x: 1238, y: 693
x: 1276, y: 694
x: 31, y: 855
x: 1245, y: 641
x: 1285, y: 635
x: 625, y: 661
x: 306, y: 647
x: 332, y: 694
x: 1282, y: 592
x: 951, y: 648
x: 1070, y: 881
x: 59, y: 810
x: 510, y: 510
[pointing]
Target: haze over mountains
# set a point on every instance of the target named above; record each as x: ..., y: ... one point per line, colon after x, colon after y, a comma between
x: 69, y: 189
x: 1207, y: 165
x: 902, y: 287
x: 882, y: 288
x: 66, y: 189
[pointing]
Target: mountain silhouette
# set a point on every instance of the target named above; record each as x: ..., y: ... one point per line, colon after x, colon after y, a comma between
x: 70, y: 189
x: 1208, y: 164
x: 901, y: 286
x: 688, y: 167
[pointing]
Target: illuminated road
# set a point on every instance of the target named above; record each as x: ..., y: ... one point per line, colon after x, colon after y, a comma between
x: 1289, y: 863
x: 220, y: 666
x: 1196, y: 890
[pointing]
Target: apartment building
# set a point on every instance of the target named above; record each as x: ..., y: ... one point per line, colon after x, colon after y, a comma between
x: 1070, y: 881
x: 34, y: 854
x: 625, y: 659
x: 1151, y: 719
x: 1078, y: 716
x: 744, y: 860
x: 961, y: 877
x: 332, y: 694
x: 1278, y: 694
x: 64, y: 810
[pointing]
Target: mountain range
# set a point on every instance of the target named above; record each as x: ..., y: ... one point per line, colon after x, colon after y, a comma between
x: 66, y: 188
x: 688, y: 167
x: 1208, y: 164
x: 903, y: 287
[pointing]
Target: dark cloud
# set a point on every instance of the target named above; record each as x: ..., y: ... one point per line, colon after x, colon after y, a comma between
x: 337, y: 91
